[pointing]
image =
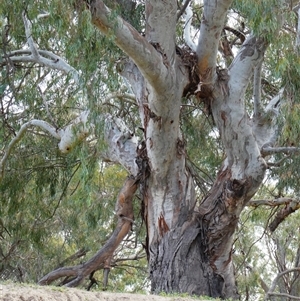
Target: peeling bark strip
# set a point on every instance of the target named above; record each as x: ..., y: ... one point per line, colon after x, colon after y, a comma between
x: 75, y: 275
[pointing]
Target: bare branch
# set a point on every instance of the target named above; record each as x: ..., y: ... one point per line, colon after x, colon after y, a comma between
x: 183, y: 8
x: 39, y: 123
x: 284, y: 295
x: 80, y: 253
x: 277, y: 163
x: 272, y: 202
x: 276, y: 150
x: 55, y: 62
x: 283, y: 213
x: 274, y: 283
x: 123, y: 96
x: 41, y: 57
x: 291, y: 205
x: 43, y: 15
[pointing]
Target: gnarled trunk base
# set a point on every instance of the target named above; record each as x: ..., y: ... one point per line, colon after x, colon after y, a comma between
x: 179, y: 264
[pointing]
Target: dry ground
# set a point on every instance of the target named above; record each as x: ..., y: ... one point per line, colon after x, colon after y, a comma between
x: 20, y: 292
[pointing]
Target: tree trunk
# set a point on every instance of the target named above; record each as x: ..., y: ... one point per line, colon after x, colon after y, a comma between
x: 194, y: 256
x: 189, y: 248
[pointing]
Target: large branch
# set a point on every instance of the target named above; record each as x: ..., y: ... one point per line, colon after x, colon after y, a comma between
x: 42, y: 57
x: 291, y: 205
x: 272, y: 202
x: 274, y: 283
x: 45, y: 58
x: 124, y: 211
x: 280, y: 150
x: 228, y: 108
x: 241, y: 69
x: 149, y: 61
x: 283, y: 213
x: 212, y: 24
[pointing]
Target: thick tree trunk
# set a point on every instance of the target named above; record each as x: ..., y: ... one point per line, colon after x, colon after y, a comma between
x: 190, y: 248
x: 179, y: 263
x: 186, y: 257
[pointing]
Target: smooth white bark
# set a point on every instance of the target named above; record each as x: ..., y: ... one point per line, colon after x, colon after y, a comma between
x: 145, y: 56
x: 42, y: 57
x: 243, y: 153
x: 213, y: 21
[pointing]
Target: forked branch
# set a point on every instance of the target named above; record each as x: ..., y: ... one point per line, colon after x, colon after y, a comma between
x: 42, y: 57
x: 127, y: 38
x: 72, y: 134
x: 274, y: 283
x: 124, y: 211
x: 290, y: 206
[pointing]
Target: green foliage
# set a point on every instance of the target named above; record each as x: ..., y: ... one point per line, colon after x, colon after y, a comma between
x: 260, y: 15
x: 52, y: 205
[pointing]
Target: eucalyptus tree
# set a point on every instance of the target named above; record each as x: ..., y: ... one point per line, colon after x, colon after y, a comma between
x: 177, y: 64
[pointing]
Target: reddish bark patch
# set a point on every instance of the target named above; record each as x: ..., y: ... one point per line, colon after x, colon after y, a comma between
x: 163, y: 227
x: 281, y: 215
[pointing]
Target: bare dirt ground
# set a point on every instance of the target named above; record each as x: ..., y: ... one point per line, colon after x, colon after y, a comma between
x: 26, y: 292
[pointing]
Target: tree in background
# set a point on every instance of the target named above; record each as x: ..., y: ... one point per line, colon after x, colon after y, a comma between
x: 198, y: 101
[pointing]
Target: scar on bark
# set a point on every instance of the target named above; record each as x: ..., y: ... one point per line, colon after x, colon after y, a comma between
x: 162, y: 225
x: 74, y: 275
